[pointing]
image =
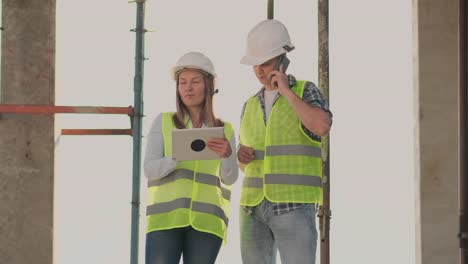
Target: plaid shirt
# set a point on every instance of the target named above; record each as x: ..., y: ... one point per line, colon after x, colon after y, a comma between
x: 313, y: 96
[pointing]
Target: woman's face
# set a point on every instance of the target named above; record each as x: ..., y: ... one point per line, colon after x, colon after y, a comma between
x: 192, y: 88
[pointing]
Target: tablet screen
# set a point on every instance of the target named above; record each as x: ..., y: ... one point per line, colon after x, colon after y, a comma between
x: 192, y: 144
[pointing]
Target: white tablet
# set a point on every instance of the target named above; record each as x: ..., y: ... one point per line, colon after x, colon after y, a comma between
x: 192, y: 144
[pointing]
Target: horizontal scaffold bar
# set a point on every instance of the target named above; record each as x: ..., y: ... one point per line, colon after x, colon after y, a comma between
x: 96, y: 132
x: 54, y: 109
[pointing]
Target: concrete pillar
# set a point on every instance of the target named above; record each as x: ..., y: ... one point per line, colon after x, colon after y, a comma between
x: 436, y: 89
x: 27, y: 142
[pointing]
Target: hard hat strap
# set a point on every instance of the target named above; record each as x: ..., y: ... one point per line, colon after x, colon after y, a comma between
x: 288, y: 48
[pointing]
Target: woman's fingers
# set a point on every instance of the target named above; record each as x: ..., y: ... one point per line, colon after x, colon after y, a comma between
x: 217, y: 140
x: 220, y: 146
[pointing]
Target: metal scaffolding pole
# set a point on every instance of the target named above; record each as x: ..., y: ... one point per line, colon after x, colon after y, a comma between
x: 271, y: 9
x: 136, y: 126
x: 324, y: 211
x: 135, y: 113
x: 463, y: 172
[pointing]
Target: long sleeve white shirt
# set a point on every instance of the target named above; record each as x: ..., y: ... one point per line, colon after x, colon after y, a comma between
x: 156, y: 166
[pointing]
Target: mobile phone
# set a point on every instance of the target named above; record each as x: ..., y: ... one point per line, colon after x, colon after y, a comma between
x: 282, y: 60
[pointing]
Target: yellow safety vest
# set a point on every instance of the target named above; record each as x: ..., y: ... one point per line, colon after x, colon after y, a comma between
x: 192, y: 195
x: 288, y: 163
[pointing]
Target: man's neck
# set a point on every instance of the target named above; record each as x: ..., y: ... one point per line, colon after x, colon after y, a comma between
x: 270, y: 87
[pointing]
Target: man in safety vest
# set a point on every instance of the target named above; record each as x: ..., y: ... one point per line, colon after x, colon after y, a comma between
x: 280, y: 154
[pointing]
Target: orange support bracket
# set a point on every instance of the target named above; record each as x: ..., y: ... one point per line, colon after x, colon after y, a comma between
x: 96, y: 132
x: 54, y: 109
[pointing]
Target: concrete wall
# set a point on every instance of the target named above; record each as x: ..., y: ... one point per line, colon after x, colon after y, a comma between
x: 436, y: 84
x: 27, y: 142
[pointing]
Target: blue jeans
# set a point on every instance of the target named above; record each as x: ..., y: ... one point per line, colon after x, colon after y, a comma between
x: 294, y: 234
x: 166, y: 246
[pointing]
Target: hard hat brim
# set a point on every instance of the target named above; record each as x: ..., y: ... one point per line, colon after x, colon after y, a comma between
x: 177, y: 69
x: 250, y: 60
x: 246, y: 60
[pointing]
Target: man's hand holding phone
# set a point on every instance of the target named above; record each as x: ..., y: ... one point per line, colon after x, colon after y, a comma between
x: 278, y: 77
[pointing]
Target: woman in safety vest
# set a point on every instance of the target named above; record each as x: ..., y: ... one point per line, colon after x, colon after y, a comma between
x: 188, y: 201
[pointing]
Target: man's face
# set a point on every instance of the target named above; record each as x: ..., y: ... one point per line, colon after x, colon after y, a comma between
x: 262, y: 70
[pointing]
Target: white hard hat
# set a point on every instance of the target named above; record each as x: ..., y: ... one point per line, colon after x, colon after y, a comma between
x: 193, y: 60
x: 266, y: 40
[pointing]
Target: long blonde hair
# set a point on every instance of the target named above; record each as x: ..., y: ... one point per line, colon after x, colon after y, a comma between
x: 207, y: 115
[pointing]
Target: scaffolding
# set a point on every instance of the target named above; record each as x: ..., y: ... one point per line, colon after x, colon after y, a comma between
x: 463, y: 97
x: 135, y: 113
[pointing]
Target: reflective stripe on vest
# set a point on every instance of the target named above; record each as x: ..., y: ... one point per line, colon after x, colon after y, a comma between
x: 285, y: 150
x: 188, y: 174
x: 185, y: 203
x: 253, y: 182
x: 259, y: 154
x: 293, y: 179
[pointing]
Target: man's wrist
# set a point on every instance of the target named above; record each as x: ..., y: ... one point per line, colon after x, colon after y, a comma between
x: 288, y: 93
